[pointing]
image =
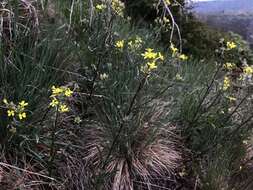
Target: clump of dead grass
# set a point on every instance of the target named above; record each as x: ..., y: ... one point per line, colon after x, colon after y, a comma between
x: 150, y: 151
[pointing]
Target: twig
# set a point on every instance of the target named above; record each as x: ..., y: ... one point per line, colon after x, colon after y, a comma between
x: 91, y: 12
x: 71, y: 14
x: 136, y: 94
x: 24, y: 170
x: 174, y: 25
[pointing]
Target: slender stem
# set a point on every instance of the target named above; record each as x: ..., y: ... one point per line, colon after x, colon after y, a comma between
x: 52, y: 147
x: 237, y: 107
x: 122, y: 123
x: 174, y: 25
x: 157, y: 95
x: 136, y: 94
x: 209, y: 88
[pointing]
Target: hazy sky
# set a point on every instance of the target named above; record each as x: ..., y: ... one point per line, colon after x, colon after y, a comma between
x: 202, y: 0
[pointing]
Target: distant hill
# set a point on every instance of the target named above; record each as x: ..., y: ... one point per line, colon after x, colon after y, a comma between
x: 224, y: 6
x: 227, y: 15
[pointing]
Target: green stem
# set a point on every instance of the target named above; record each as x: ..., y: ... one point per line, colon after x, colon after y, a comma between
x: 122, y: 123
x: 52, y: 147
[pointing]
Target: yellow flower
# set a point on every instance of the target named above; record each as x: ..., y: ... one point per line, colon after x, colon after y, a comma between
x: 22, y: 115
x: 229, y: 66
x: 152, y: 57
x: 11, y: 113
x: 63, y: 108
x: 248, y: 70
x: 100, y: 7
x: 135, y: 44
x: 138, y: 40
x: 54, y: 102
x: 160, y: 56
x: 231, y: 98
x: 149, y: 54
x: 131, y: 44
x: 23, y: 104
x: 68, y: 92
x: 179, y: 77
x: 245, y: 142
x: 118, y: 6
x: 5, y: 101
x: 231, y: 45
x: 120, y: 44
x: 57, y: 90
x: 167, y: 2
x: 104, y: 76
x: 152, y: 65
x: 226, y: 83
x: 173, y: 49
x: 166, y: 20
x: 183, y: 57
x: 77, y: 120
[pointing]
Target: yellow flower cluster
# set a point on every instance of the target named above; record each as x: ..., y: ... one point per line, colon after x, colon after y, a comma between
x: 175, y: 53
x: 100, y: 7
x: 152, y: 58
x: 248, y: 70
x: 120, y: 44
x: 229, y: 66
x: 226, y: 83
x: 13, y: 109
x: 136, y: 43
x: 247, y: 74
x: 57, y: 91
x: 58, y: 98
x: 118, y: 7
x: 164, y: 22
x: 231, y: 45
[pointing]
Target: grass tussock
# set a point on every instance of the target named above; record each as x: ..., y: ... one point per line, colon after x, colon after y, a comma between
x: 144, y: 160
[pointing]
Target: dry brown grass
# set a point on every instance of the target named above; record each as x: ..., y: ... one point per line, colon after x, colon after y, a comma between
x: 17, y: 21
x: 149, y: 161
x: 152, y: 154
x: 12, y: 178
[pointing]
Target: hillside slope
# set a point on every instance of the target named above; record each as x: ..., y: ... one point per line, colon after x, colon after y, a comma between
x: 228, y: 15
